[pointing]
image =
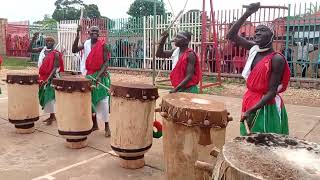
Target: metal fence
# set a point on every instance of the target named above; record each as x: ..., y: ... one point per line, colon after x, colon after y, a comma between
x: 132, y: 38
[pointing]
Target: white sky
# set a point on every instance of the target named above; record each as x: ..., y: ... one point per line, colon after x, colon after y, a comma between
x: 33, y: 10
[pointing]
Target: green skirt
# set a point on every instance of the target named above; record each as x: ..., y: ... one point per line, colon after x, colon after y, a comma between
x: 46, y: 94
x: 267, y: 120
x: 99, y: 92
x: 192, y: 89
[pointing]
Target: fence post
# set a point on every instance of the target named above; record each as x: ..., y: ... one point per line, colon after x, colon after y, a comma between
x: 144, y: 43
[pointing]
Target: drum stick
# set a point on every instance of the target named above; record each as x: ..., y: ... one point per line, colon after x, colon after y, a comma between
x: 99, y: 83
x: 267, y: 7
x: 175, y: 19
x: 247, y: 127
x: 204, y: 166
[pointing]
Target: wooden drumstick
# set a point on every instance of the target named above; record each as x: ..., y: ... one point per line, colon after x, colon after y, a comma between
x: 267, y: 7
x: 247, y: 127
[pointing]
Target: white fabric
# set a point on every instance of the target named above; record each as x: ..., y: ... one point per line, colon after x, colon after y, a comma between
x: 175, y: 57
x: 86, y: 52
x: 303, y: 51
x: 49, y: 107
x: 41, y: 56
x: 247, y: 68
x: 103, y: 109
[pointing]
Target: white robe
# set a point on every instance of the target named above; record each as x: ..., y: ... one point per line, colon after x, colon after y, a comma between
x: 49, y: 107
x: 102, y: 106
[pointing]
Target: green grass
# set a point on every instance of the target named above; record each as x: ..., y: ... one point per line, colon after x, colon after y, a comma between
x: 217, y: 90
x: 17, y: 63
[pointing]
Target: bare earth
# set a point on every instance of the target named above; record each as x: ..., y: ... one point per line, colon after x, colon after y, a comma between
x: 305, y: 97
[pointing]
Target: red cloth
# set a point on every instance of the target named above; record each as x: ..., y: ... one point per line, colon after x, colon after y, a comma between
x: 95, y: 58
x: 178, y: 74
x: 258, y: 82
x: 1, y: 60
x: 48, y: 65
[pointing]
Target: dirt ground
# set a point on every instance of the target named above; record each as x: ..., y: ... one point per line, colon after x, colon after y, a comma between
x: 304, y: 97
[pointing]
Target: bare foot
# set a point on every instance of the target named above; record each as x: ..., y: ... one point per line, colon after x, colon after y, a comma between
x: 49, y: 121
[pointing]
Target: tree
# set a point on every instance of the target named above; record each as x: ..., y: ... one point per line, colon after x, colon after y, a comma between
x: 70, y: 10
x: 47, y: 22
x: 140, y: 8
x: 91, y: 11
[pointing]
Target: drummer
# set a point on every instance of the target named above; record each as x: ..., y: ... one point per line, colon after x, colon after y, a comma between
x: 185, y: 74
x: 267, y: 74
x: 94, y: 67
x: 50, y: 63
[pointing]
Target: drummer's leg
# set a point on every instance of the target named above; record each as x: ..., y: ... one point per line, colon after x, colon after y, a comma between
x: 95, y: 122
x: 102, y: 113
x: 49, y: 108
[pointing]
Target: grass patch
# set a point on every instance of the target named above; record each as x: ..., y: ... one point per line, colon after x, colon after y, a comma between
x: 17, y: 63
x: 217, y: 90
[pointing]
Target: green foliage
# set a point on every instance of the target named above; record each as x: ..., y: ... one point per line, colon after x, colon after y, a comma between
x: 140, y: 8
x: 91, y: 11
x: 47, y: 22
x: 70, y: 10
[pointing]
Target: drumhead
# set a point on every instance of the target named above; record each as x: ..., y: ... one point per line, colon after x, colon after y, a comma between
x: 195, y: 110
x: 72, y: 84
x: 272, y: 156
x: 143, y: 92
x: 22, y: 77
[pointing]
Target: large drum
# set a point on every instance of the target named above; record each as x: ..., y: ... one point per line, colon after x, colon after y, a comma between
x: 23, y: 102
x: 131, y: 122
x: 192, y: 125
x: 73, y: 109
x: 268, y: 156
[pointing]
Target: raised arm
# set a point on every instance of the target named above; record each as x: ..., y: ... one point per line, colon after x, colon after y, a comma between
x: 233, y: 32
x: 33, y: 40
x: 277, y: 66
x: 160, y: 50
x: 75, y: 47
x: 190, y: 72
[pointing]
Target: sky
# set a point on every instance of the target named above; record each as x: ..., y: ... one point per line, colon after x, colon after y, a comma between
x: 33, y: 10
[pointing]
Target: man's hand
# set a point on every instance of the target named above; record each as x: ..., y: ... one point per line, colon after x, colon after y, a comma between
x: 173, y: 91
x: 35, y: 36
x: 165, y: 34
x: 254, y: 7
x: 245, y: 116
x: 79, y: 29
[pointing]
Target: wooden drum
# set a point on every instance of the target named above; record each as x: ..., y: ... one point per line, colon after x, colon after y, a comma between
x: 268, y: 156
x: 131, y: 122
x: 23, y: 102
x: 193, y: 124
x: 73, y: 109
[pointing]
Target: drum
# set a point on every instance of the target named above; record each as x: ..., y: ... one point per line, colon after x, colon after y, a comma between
x: 193, y: 124
x: 73, y: 109
x: 23, y: 102
x: 131, y: 122
x: 268, y: 156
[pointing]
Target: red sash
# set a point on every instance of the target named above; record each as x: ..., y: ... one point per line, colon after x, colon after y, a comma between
x: 258, y: 81
x: 178, y: 74
x: 48, y: 65
x: 95, y: 58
